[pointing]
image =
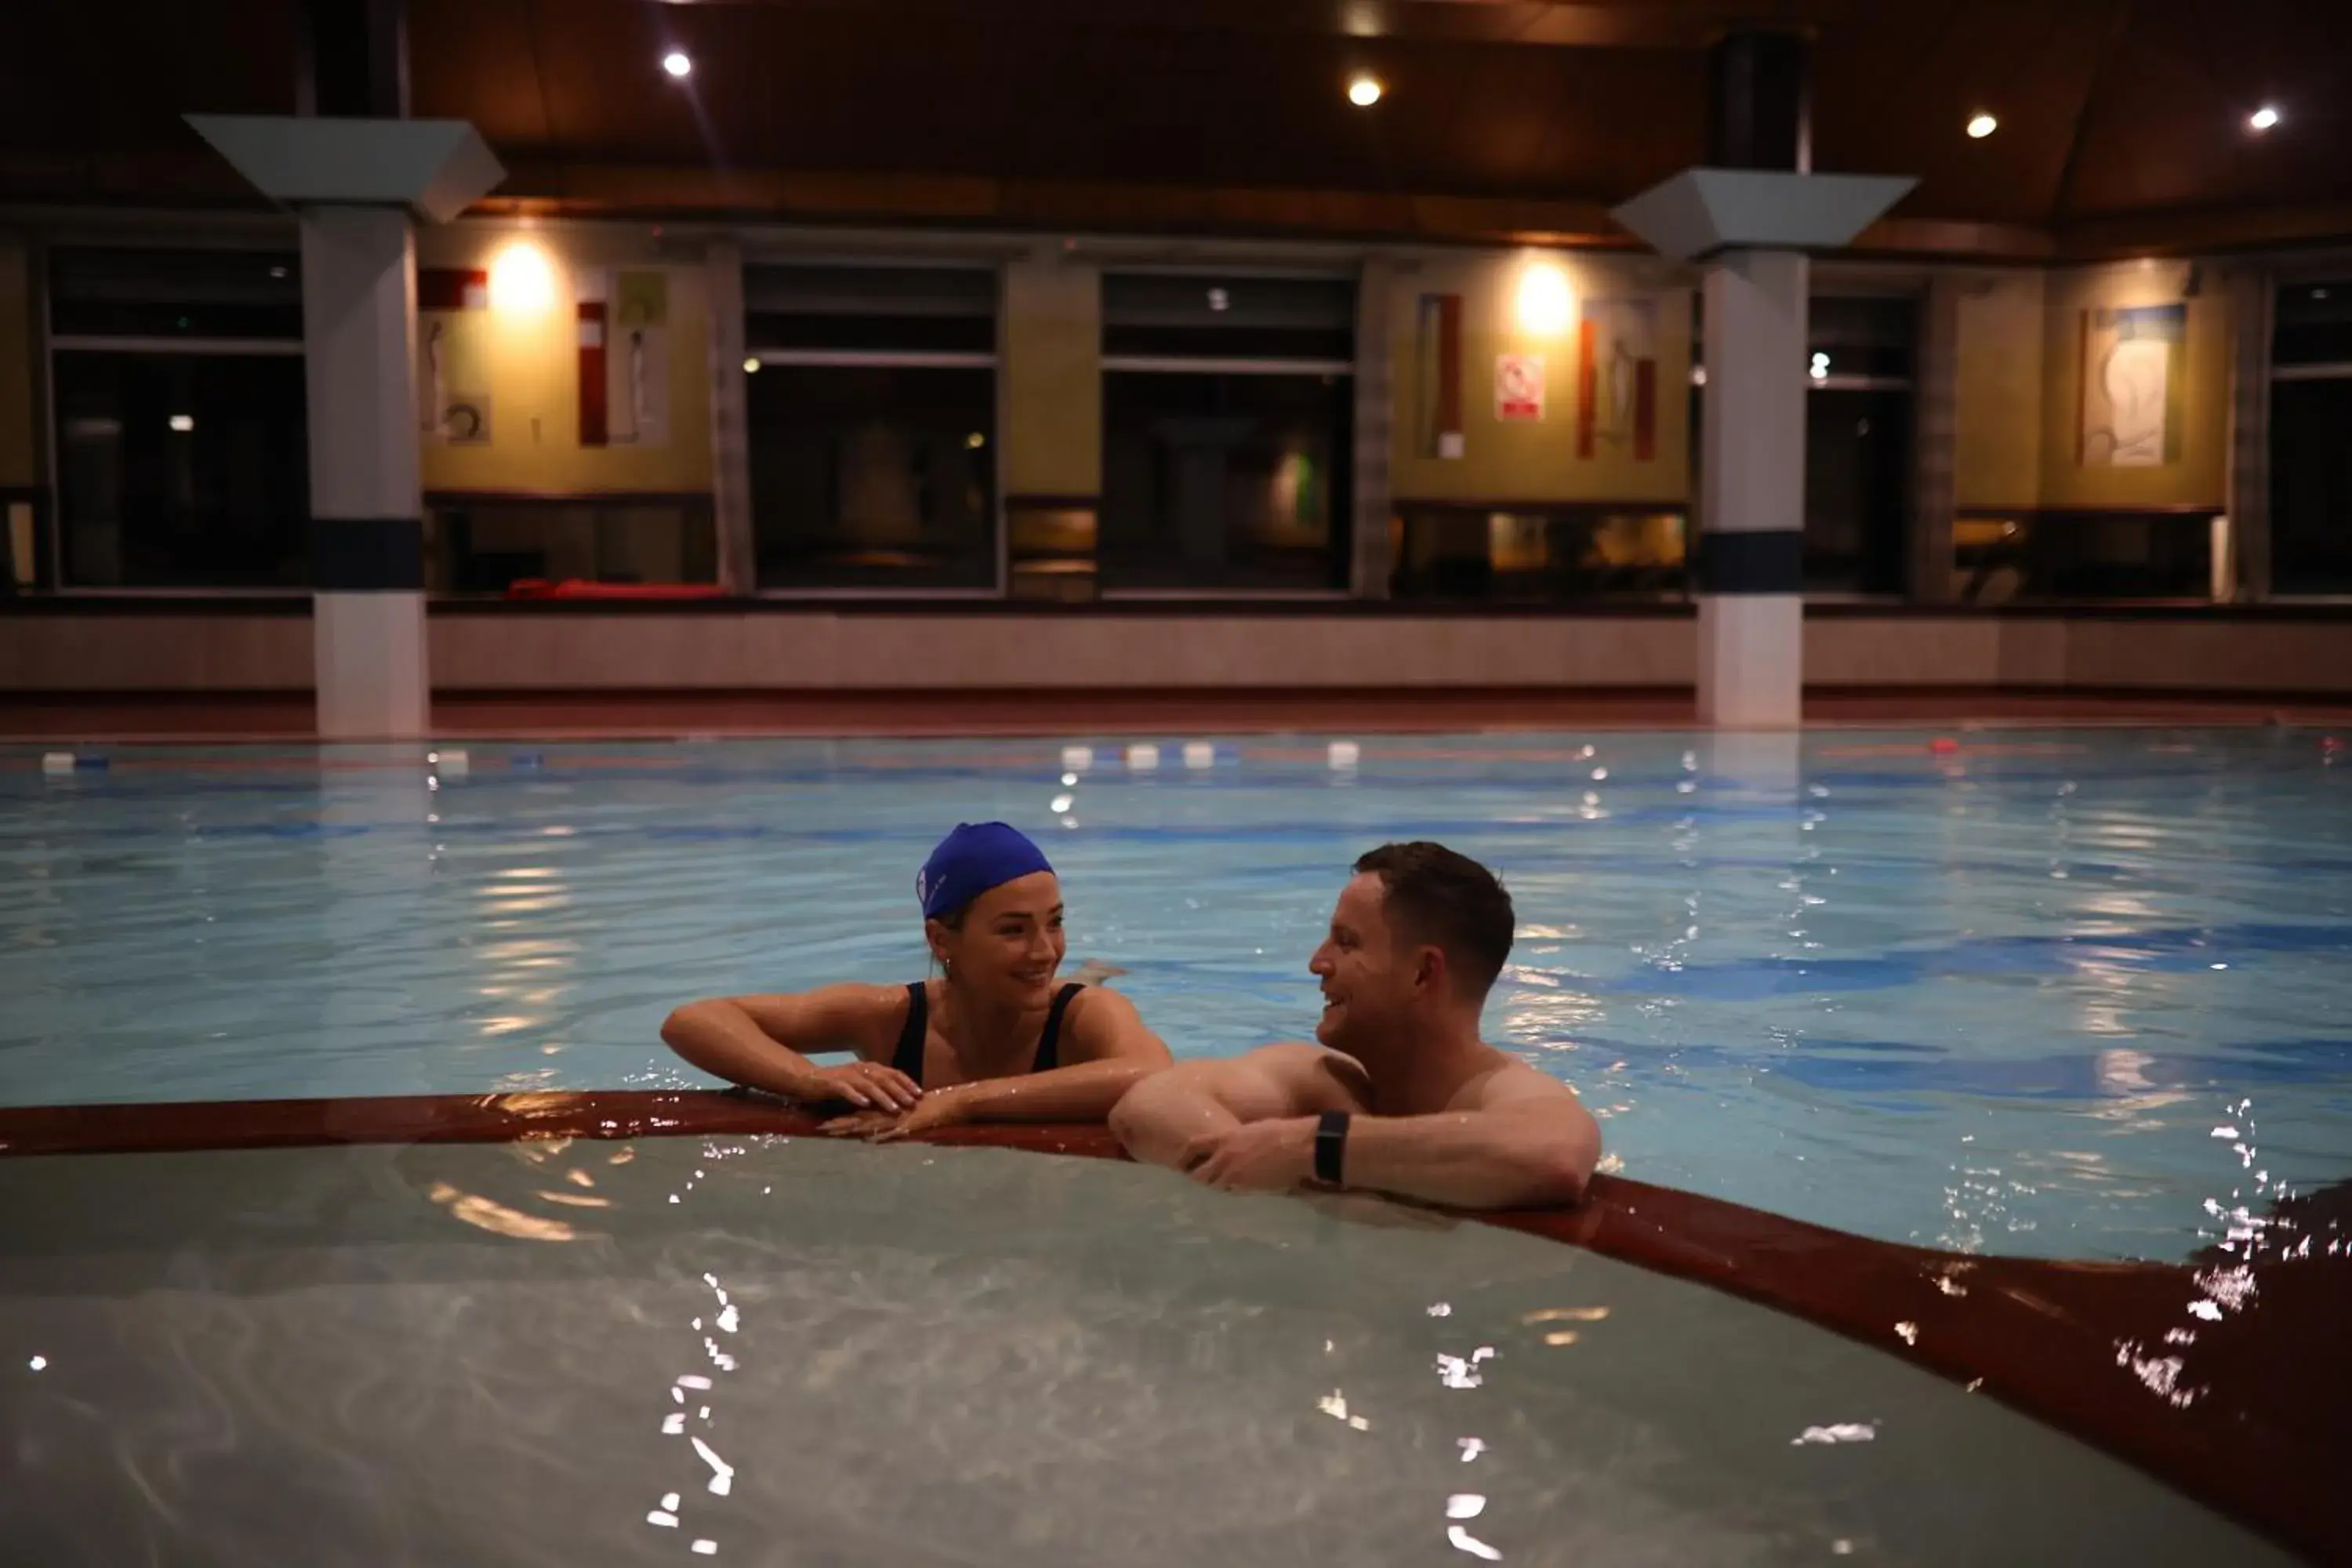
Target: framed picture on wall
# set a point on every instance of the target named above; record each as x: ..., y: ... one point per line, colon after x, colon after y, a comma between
x: 2132, y: 386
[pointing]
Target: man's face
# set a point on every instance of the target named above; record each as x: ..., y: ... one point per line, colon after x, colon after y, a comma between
x: 1366, y: 978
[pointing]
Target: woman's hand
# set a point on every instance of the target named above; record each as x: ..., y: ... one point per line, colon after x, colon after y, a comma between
x: 942, y: 1107
x: 870, y: 1086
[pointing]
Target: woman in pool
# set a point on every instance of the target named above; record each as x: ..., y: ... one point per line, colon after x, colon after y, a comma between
x: 993, y: 1040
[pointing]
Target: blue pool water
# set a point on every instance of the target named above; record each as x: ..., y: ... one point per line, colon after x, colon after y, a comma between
x: 2064, y: 993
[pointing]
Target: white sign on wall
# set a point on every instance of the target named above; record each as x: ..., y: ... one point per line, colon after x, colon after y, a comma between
x: 1518, y: 386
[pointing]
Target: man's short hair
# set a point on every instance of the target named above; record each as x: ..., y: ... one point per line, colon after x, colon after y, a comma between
x: 1450, y: 902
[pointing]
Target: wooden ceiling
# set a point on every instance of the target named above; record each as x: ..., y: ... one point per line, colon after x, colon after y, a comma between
x: 2123, y: 122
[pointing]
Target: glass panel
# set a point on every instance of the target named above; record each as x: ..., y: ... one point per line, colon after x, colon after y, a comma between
x: 2004, y: 557
x: 2311, y: 487
x: 526, y: 545
x: 1203, y: 316
x: 1538, y: 555
x: 1863, y: 336
x: 1225, y: 481
x: 2314, y: 324
x: 1857, y: 489
x: 176, y: 293
x: 874, y: 477
x: 940, y: 309
x: 183, y: 471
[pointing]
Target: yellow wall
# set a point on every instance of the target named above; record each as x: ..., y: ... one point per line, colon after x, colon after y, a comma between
x: 1050, y: 377
x: 531, y: 364
x: 1996, y: 435
x: 19, y: 437
x: 2199, y: 476
x: 1532, y: 460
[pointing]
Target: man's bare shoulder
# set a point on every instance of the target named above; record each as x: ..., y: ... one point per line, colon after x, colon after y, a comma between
x: 1503, y: 1078
x: 1311, y: 1077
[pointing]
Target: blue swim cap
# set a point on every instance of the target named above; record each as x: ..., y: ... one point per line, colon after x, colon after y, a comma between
x: 976, y: 857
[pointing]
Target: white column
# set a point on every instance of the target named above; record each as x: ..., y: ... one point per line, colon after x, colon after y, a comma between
x: 1752, y: 492
x: 359, y: 315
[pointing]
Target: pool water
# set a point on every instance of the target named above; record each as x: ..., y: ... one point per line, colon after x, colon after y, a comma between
x: 2069, y: 993
x: 797, y: 1352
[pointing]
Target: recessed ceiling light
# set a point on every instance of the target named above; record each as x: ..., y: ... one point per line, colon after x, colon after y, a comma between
x: 183, y: 423
x: 1982, y: 126
x: 752, y: 365
x: 676, y: 62
x: 1364, y: 91
x: 2263, y: 119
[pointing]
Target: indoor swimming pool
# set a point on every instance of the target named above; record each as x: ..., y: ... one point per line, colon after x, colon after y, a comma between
x: 2055, y: 992
x: 2003, y: 997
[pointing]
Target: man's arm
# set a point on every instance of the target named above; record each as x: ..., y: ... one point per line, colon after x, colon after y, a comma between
x: 1517, y: 1138
x: 764, y: 1042
x: 1525, y: 1140
x: 1164, y: 1120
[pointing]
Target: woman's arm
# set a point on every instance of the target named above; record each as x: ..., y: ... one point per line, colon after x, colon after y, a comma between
x: 764, y: 1042
x: 1114, y: 1051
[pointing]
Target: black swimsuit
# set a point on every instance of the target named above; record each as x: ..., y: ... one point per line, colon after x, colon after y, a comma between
x: 908, y: 1057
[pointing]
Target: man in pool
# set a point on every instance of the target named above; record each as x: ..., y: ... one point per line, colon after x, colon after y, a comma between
x: 1402, y: 1096
x: 993, y: 1040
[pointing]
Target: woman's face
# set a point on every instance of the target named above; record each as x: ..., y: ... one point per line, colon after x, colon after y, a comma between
x: 1009, y: 943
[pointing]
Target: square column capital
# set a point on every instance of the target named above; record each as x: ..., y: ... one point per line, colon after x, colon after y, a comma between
x: 434, y: 168
x: 1701, y: 211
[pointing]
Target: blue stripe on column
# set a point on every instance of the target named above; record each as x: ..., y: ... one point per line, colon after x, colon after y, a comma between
x: 367, y: 555
x: 1770, y: 561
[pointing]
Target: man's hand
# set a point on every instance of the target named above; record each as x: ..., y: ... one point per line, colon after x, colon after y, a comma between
x: 1257, y: 1156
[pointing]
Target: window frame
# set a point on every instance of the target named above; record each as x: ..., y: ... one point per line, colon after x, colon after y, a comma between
x: 47, y: 344
x: 1343, y: 527
x: 990, y: 360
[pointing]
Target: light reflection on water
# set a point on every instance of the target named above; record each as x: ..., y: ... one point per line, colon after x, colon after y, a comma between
x: 1846, y: 977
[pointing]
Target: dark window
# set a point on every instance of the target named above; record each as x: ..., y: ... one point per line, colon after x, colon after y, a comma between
x: 2311, y: 487
x: 2008, y: 556
x: 254, y: 294
x: 1227, y: 480
x: 1149, y: 314
x: 1228, y: 432
x: 1857, y: 487
x: 2311, y: 459
x: 2312, y: 324
x: 940, y: 309
x: 180, y: 417
x: 1858, y: 443
x: 501, y: 544
x: 873, y: 426
x: 181, y: 470
x: 873, y: 476
x: 1539, y: 553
